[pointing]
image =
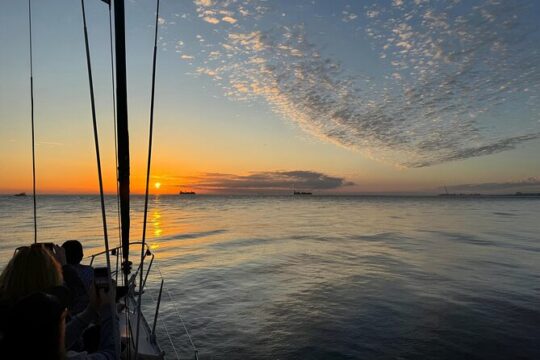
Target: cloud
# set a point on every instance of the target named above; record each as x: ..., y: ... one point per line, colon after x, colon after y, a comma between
x: 493, y: 148
x: 266, y: 181
x: 211, y: 20
x: 348, y: 16
x: 229, y: 19
x: 531, y: 184
x: 206, y: 3
x: 450, y: 72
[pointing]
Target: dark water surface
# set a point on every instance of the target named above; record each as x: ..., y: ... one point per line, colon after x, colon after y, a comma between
x: 326, y: 277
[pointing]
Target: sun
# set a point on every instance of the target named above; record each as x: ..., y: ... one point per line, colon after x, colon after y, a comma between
x: 157, y: 185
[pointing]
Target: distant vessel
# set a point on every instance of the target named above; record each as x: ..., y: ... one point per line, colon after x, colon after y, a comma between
x: 519, y: 193
x: 301, y: 193
x: 20, y: 194
x: 187, y: 193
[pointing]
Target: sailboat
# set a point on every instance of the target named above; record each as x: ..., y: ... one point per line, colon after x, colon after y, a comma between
x: 137, y: 339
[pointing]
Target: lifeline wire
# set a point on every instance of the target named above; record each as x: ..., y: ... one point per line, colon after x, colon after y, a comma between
x: 175, y: 307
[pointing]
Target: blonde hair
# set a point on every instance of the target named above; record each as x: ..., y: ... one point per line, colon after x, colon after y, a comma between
x: 32, y: 268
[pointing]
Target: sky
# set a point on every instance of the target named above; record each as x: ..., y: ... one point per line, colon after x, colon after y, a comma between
x: 263, y: 97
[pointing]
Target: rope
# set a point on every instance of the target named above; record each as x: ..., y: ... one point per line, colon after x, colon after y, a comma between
x: 32, y: 121
x: 150, y: 137
x: 100, y: 177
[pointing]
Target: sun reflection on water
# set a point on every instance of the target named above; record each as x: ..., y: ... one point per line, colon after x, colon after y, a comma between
x: 157, y: 226
x: 156, y: 223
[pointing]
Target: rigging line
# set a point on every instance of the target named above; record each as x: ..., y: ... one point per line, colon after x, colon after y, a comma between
x: 115, y: 141
x: 150, y: 137
x: 175, y: 307
x: 32, y: 121
x: 196, y: 351
x: 163, y: 325
x: 100, y: 177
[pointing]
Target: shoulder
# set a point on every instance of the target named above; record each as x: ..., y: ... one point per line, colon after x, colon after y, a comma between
x: 85, y: 268
x: 73, y: 355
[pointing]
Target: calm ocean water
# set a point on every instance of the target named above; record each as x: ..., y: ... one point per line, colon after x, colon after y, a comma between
x: 326, y: 277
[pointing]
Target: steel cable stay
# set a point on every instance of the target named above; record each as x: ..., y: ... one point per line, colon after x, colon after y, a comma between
x: 148, y: 166
x: 32, y: 120
x: 100, y: 176
x: 113, y: 86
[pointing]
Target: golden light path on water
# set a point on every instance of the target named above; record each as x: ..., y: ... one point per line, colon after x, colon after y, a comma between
x: 182, y: 238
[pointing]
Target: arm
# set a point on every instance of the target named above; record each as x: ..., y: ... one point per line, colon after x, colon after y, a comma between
x: 107, y: 346
x: 107, y: 317
x: 77, y: 324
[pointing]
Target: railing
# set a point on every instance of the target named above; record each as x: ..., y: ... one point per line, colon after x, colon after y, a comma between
x: 115, y: 252
x: 114, y: 272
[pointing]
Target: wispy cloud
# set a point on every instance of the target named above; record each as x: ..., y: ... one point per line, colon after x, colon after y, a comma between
x: 210, y: 19
x: 452, y: 68
x: 264, y: 182
x: 229, y: 19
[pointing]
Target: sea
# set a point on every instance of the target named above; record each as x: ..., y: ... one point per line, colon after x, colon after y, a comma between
x: 320, y: 277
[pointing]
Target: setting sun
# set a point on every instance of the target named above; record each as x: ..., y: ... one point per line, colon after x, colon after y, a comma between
x: 157, y: 185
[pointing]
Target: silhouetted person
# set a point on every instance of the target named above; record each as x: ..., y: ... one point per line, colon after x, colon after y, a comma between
x: 35, y: 269
x: 74, y: 255
x: 31, y: 269
x: 37, y: 329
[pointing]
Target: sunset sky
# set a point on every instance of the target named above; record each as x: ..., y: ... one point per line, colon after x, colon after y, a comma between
x: 258, y: 96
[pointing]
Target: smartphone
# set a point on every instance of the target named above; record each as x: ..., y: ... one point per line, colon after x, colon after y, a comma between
x: 101, y: 278
x: 48, y: 246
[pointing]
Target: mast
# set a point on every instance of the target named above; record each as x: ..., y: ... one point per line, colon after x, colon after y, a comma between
x: 122, y: 127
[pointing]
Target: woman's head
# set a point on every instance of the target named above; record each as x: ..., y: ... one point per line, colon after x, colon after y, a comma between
x: 31, y: 269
